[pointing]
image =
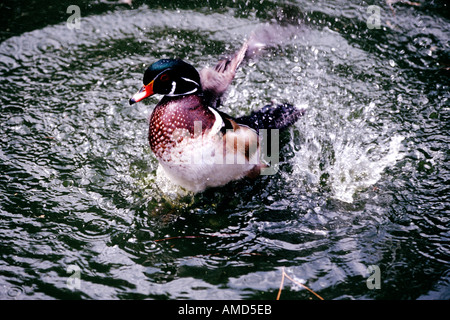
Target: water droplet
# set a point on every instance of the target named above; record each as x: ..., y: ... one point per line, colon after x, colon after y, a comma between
x: 392, y: 63
x: 68, y: 183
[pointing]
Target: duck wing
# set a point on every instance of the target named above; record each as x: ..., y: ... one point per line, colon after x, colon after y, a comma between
x: 215, y: 81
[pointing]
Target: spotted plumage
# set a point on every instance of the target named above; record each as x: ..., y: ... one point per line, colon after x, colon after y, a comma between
x: 170, y: 116
x: 197, y: 145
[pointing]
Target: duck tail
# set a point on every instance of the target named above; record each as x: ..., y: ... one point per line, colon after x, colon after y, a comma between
x: 279, y: 116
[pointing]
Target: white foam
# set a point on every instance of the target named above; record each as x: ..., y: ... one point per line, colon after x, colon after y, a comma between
x: 355, y: 170
x: 344, y: 153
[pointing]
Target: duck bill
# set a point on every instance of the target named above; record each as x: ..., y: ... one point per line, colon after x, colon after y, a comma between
x: 144, y: 92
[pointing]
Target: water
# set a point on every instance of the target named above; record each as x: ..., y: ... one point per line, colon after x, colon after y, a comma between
x: 363, y: 176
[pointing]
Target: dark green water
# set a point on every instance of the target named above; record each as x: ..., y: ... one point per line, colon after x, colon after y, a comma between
x: 363, y: 178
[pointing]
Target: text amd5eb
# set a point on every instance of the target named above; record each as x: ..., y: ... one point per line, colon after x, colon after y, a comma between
x: 247, y: 309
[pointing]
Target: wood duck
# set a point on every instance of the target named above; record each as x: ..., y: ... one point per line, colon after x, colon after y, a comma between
x: 197, y: 145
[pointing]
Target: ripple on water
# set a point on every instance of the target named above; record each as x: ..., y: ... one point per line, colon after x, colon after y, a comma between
x: 96, y: 229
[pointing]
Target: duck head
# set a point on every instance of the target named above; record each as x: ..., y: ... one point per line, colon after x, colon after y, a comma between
x: 170, y: 77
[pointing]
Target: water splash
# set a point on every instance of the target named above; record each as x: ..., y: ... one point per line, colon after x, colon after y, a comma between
x: 345, y: 152
x: 354, y: 170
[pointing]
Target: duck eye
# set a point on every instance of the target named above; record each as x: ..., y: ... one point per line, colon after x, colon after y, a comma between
x: 164, y: 77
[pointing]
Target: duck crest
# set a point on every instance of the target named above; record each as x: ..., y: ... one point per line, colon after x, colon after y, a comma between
x: 172, y: 121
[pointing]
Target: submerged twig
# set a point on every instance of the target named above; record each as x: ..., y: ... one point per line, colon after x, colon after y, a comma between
x: 284, y: 274
x: 183, y: 237
x: 281, y: 284
x: 391, y: 2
